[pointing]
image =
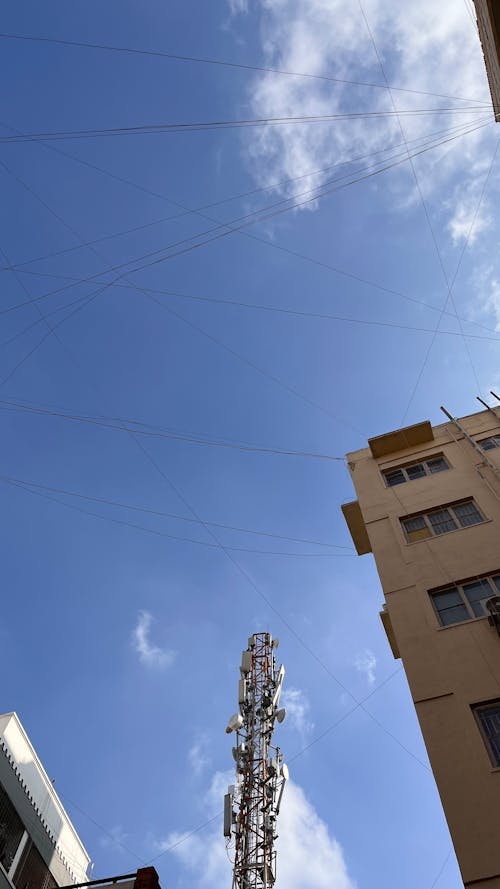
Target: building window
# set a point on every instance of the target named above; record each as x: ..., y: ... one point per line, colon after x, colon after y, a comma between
x: 488, y: 444
x: 440, y: 521
x: 415, y: 470
x: 488, y: 717
x: 32, y: 872
x: 465, y: 601
x: 11, y: 830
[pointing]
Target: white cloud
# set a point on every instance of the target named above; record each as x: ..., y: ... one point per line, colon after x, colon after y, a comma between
x: 237, y: 7
x: 115, y: 839
x: 198, y: 757
x: 485, y: 304
x: 309, y: 857
x: 297, y: 709
x: 149, y: 654
x: 366, y: 663
x: 419, y: 44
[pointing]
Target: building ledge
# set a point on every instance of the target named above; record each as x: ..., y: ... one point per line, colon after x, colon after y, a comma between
x: 401, y: 439
x: 389, y: 632
x: 357, y: 528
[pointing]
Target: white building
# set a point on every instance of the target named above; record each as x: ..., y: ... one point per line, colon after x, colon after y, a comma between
x: 39, y: 847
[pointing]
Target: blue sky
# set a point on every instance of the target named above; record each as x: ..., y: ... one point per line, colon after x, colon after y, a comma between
x: 124, y: 645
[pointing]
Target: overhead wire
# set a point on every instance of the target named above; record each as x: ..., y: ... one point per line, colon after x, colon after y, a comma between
x: 226, y: 230
x: 40, y: 491
x: 462, y: 253
x: 127, y: 425
x: 204, y: 126
x: 222, y: 63
x: 282, y: 310
x: 449, y: 285
x: 230, y: 227
x: 266, y: 307
x: 186, y: 211
x: 170, y: 515
x: 430, y: 226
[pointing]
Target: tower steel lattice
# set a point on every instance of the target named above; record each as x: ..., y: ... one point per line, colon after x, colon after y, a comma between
x: 252, y: 804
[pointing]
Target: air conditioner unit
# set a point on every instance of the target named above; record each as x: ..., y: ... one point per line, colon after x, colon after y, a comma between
x: 493, y: 606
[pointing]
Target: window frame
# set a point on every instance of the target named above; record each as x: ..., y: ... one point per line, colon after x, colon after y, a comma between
x: 406, y: 466
x: 450, y: 507
x: 477, y: 709
x: 495, y: 438
x: 459, y: 587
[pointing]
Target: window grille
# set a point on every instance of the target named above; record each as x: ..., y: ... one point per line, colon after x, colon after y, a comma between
x: 488, y: 717
x: 440, y: 521
x: 465, y: 601
x: 11, y: 830
x: 402, y: 474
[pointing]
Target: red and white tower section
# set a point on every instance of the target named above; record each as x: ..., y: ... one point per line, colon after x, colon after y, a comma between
x: 252, y: 804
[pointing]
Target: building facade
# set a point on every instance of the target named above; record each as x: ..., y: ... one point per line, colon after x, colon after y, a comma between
x: 428, y: 509
x: 39, y: 847
x: 488, y: 22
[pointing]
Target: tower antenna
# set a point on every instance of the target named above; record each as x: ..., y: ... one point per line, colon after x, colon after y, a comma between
x: 251, y: 805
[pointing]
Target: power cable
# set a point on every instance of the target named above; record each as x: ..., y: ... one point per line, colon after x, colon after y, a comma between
x: 441, y: 869
x: 231, y: 227
x: 223, y: 63
x: 282, y: 310
x: 448, y: 285
x: 204, y: 126
x: 127, y: 425
x: 220, y: 343
x: 28, y: 488
x: 170, y: 515
x: 462, y: 253
x: 420, y: 193
x: 186, y: 211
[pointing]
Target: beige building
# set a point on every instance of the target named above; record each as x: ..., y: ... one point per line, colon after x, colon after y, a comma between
x: 428, y: 509
x: 488, y: 22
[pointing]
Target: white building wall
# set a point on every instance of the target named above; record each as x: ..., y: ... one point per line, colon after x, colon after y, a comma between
x: 69, y: 861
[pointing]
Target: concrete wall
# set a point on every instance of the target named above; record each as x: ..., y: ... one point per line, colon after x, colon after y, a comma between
x: 448, y: 668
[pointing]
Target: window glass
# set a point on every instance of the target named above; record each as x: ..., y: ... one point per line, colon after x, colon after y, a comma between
x: 454, y: 615
x: 467, y: 514
x: 437, y: 464
x: 488, y: 444
x: 496, y: 581
x: 442, y: 521
x: 416, y: 471
x: 489, y: 718
x: 395, y: 477
x: 476, y: 594
x: 450, y: 608
x: 416, y: 529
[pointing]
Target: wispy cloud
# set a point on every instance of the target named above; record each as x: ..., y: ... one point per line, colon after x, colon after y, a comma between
x: 309, y: 857
x: 198, y: 757
x: 149, y: 654
x: 115, y: 839
x: 366, y: 664
x: 297, y: 708
x: 419, y: 45
x: 237, y: 7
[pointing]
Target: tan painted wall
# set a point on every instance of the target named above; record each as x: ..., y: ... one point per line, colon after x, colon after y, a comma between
x: 448, y: 668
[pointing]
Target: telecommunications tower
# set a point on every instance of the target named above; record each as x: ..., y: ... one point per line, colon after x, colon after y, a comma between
x: 252, y: 804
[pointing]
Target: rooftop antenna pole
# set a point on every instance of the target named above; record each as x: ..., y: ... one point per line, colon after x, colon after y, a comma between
x: 252, y: 804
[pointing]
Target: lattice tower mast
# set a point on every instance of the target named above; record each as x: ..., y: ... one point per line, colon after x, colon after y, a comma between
x: 251, y: 806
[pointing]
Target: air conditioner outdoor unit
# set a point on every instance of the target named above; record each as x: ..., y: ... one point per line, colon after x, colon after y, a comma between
x: 493, y: 606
